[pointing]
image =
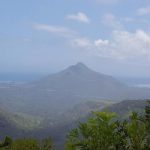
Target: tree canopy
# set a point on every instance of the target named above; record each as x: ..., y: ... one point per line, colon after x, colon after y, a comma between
x: 105, y: 132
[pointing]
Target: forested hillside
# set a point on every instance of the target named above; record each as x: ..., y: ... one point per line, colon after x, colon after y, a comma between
x: 101, y: 131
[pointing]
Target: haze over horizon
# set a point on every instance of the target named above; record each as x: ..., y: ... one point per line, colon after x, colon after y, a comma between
x: 109, y: 36
x: 74, y: 74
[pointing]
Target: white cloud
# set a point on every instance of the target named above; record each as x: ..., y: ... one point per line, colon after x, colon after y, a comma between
x: 131, y: 46
x: 81, y: 43
x: 101, y: 42
x: 80, y: 16
x: 143, y: 36
x: 60, y: 31
x: 111, y: 21
x: 123, y: 45
x: 143, y: 11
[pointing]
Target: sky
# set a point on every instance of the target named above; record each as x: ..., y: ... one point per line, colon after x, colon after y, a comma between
x: 45, y: 36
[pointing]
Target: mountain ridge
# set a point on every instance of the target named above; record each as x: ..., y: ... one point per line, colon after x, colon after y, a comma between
x: 56, y: 93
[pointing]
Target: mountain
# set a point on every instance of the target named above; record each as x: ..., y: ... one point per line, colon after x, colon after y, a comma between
x: 81, y: 82
x: 84, y: 110
x: 49, y: 97
x: 124, y: 108
x: 7, y: 125
x: 66, y: 120
x: 80, y: 112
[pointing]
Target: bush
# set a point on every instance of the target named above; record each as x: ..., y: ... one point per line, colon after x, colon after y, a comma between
x: 103, y: 132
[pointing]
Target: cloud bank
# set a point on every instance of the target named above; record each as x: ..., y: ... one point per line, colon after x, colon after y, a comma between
x: 122, y: 45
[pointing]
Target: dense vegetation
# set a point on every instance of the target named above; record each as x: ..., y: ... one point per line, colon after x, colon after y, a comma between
x: 103, y: 131
x: 26, y: 144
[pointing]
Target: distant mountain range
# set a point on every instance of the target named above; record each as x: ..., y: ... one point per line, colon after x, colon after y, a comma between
x: 52, y: 95
x: 54, y: 104
x: 81, y: 82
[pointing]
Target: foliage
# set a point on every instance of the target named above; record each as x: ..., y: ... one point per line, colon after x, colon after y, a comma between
x: 25, y: 144
x: 29, y: 144
x: 104, y: 132
x: 7, y: 142
x: 46, y: 144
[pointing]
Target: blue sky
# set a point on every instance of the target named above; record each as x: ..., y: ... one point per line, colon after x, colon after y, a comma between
x: 44, y: 36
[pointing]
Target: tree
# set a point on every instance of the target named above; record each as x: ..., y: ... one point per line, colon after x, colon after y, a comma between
x: 25, y: 144
x: 105, y: 132
x: 46, y: 144
x: 147, y: 124
x: 97, y: 133
x: 7, y: 142
x: 121, y: 133
x: 136, y: 132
